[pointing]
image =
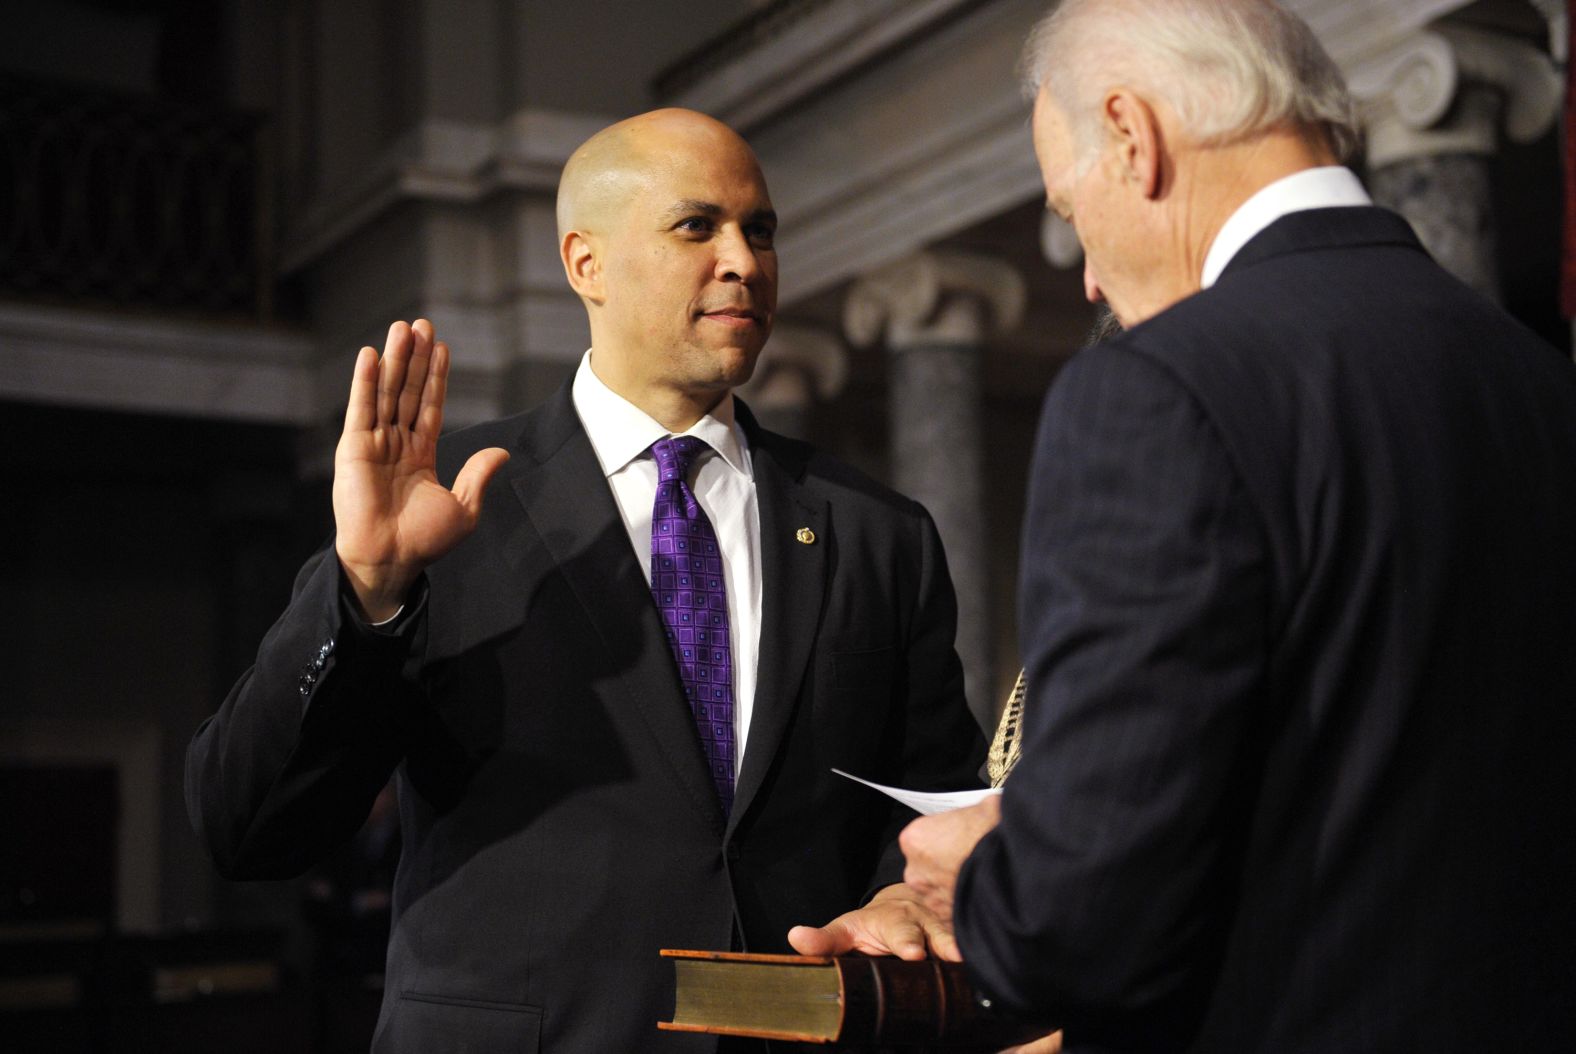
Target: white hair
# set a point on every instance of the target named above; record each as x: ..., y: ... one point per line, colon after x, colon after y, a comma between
x: 1229, y: 69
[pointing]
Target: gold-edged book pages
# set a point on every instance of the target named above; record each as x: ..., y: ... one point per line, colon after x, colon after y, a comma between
x: 791, y: 997
x: 844, y: 1002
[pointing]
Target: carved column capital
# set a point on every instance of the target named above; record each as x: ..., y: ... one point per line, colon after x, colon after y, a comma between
x: 801, y: 365
x: 1558, y: 16
x: 934, y: 296
x: 1449, y: 90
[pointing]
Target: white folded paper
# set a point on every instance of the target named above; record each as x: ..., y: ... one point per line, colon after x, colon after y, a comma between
x: 928, y: 803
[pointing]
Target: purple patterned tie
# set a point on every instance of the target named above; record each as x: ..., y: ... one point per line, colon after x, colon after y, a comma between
x: 687, y: 584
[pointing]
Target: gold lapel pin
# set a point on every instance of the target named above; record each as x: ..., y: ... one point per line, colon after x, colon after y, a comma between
x: 805, y: 535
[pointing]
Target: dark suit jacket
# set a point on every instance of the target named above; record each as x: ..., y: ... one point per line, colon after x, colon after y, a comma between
x: 1299, y: 613
x: 558, y: 822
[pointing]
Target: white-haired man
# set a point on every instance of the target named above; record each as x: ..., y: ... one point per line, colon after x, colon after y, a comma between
x: 1297, y: 597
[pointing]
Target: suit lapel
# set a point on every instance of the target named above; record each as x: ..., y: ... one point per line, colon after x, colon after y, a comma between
x: 568, y: 502
x: 793, y: 581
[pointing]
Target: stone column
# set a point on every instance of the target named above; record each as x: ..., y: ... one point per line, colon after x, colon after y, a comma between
x: 1433, y: 107
x: 936, y: 311
x: 801, y: 367
x: 1557, y: 13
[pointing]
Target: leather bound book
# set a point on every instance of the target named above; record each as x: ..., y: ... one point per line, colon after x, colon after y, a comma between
x: 849, y: 1002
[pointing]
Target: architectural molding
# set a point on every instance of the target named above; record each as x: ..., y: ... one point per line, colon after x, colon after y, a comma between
x: 1532, y: 88
x: 1413, y: 80
x: 923, y: 197
x: 919, y: 142
x: 104, y: 360
x: 906, y: 302
x: 860, y: 179
x: 442, y: 160
x: 1557, y: 14
x: 1417, y: 98
x: 820, y: 43
x: 1350, y: 30
x: 800, y: 365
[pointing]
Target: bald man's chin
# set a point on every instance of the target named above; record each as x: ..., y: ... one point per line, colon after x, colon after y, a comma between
x: 735, y: 366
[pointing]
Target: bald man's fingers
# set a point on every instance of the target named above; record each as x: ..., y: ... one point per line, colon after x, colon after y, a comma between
x: 416, y: 374
x: 471, y: 483
x: 897, y: 926
x: 429, y: 420
x: 361, y: 412
x: 392, y: 370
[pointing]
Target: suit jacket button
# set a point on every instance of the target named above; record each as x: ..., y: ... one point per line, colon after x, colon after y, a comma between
x: 732, y: 852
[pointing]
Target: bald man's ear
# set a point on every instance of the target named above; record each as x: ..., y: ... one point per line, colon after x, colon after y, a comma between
x: 1132, y: 125
x: 582, y: 266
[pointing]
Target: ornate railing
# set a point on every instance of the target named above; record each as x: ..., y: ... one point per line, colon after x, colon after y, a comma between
x: 129, y: 200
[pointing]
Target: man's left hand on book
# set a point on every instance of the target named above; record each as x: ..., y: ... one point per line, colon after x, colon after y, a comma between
x: 898, y: 921
x: 914, y: 918
x: 894, y: 922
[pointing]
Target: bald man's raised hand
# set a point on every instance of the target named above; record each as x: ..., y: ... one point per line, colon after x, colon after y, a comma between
x: 391, y: 515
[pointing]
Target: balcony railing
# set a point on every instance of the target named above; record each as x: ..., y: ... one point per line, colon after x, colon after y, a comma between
x: 121, y: 200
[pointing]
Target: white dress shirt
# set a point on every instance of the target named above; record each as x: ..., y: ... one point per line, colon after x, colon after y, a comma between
x: 1315, y: 188
x: 724, y: 484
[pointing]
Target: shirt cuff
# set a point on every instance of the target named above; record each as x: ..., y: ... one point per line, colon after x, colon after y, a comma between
x: 395, y: 624
x: 388, y: 621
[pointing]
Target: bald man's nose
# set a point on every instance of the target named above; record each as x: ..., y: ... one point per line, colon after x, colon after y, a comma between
x: 736, y: 256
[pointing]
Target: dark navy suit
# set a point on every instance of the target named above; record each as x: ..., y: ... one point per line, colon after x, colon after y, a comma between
x: 1298, y: 609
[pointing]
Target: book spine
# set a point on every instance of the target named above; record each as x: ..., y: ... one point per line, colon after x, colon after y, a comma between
x: 899, y: 1003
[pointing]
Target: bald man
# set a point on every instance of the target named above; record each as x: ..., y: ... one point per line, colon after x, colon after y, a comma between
x: 590, y: 769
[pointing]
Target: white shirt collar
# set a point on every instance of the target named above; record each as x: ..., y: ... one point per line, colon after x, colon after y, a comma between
x: 1315, y: 188
x: 620, y: 431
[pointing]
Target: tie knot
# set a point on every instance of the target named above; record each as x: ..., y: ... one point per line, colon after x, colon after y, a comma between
x: 675, y: 455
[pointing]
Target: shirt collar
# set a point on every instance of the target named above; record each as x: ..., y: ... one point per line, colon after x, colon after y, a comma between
x: 1331, y: 186
x: 620, y: 431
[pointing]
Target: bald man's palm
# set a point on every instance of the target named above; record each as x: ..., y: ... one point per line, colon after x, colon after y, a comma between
x: 392, y: 517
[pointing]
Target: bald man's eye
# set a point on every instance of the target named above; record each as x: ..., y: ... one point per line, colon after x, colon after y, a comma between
x: 761, y: 235
x: 694, y: 225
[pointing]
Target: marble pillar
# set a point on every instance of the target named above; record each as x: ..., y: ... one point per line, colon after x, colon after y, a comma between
x: 1434, y: 107
x: 936, y: 311
x: 1557, y: 14
x: 1448, y: 199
